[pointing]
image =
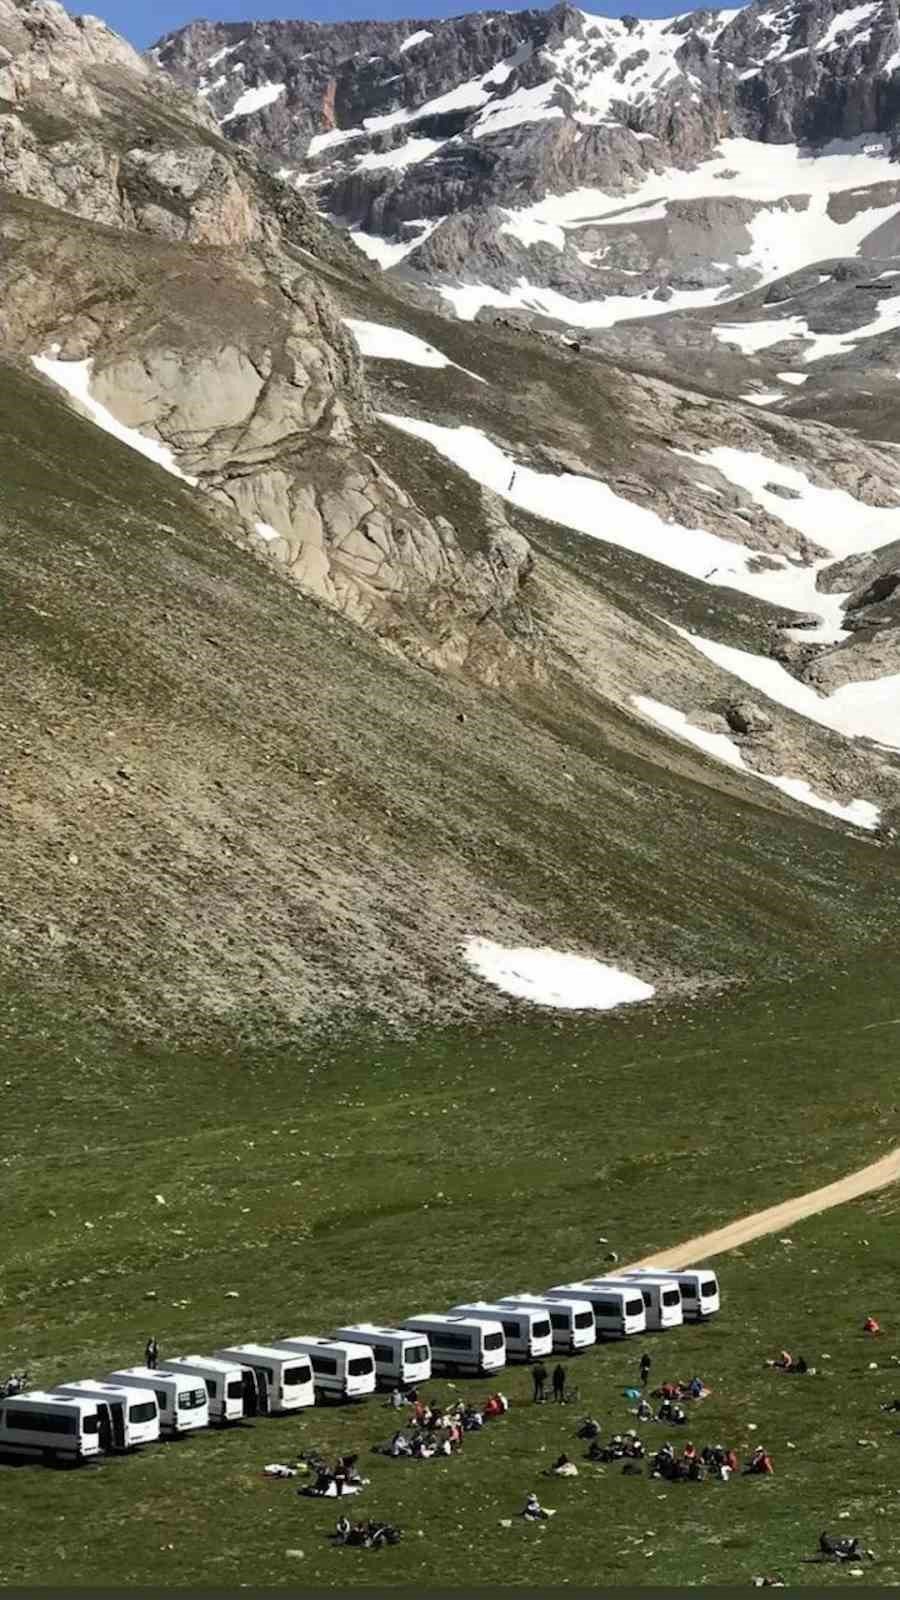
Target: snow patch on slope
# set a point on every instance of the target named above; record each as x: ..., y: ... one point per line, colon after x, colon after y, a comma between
x: 382, y: 342
x: 413, y: 39
x: 869, y: 709
x: 554, y: 977
x: 75, y: 378
x: 860, y: 812
x: 390, y: 252
x: 254, y: 100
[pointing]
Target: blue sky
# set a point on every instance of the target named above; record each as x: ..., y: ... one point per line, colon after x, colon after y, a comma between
x: 144, y: 21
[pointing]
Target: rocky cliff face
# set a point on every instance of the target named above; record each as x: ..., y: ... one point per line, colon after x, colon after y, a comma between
x: 235, y: 359
x: 395, y: 128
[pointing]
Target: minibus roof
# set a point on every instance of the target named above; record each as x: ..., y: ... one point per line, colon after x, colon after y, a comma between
x: 446, y: 1316
x: 208, y: 1363
x: 318, y: 1343
x: 374, y: 1327
x: 41, y: 1397
x: 100, y: 1390
x: 554, y: 1299
x: 147, y: 1372
x: 268, y: 1352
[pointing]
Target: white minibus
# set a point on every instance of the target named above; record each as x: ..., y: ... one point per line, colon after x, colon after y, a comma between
x: 462, y: 1344
x: 400, y: 1357
x: 182, y: 1401
x: 341, y: 1370
x: 224, y: 1384
x: 571, y: 1321
x: 57, y: 1427
x: 128, y: 1417
x: 661, y: 1296
x: 286, y: 1380
x: 618, y: 1312
x: 528, y: 1334
x: 699, y: 1289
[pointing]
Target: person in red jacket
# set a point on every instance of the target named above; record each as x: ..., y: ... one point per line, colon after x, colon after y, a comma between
x: 871, y: 1326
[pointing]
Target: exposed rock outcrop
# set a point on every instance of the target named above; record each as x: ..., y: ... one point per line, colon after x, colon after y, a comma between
x: 243, y: 370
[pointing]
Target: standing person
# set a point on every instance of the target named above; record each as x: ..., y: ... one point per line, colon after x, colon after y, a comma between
x: 646, y: 1364
x: 559, y: 1383
x: 539, y: 1379
x: 151, y: 1353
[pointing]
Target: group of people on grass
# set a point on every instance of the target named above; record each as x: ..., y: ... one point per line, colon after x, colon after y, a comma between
x: 438, y: 1430
x: 341, y: 1478
x: 713, y: 1461
x: 369, y: 1535
x: 621, y: 1447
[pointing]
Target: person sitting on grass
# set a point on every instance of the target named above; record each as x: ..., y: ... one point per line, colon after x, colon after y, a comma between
x: 837, y: 1547
x: 533, y: 1511
x: 871, y: 1325
x: 588, y: 1428
x: 562, y: 1468
x: 400, y: 1445
x: 784, y: 1362
x: 760, y: 1463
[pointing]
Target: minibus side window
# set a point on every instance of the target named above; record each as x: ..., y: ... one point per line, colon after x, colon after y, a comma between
x: 162, y: 1399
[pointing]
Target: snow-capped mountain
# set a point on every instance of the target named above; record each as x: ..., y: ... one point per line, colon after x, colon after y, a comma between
x: 625, y: 166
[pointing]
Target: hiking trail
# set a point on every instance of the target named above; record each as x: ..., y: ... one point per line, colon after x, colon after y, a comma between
x: 876, y: 1176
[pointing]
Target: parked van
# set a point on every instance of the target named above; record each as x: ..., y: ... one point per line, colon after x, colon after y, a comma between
x: 661, y: 1297
x: 57, y: 1427
x: 285, y: 1381
x: 400, y: 1358
x: 182, y: 1401
x: 528, y: 1334
x: 462, y: 1344
x: 618, y: 1311
x: 699, y: 1289
x: 342, y: 1369
x: 128, y: 1417
x: 571, y: 1321
x: 224, y: 1384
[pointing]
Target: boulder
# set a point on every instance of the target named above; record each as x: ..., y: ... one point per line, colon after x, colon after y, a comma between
x: 743, y: 716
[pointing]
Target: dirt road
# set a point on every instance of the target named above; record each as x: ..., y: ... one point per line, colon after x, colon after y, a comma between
x: 778, y: 1218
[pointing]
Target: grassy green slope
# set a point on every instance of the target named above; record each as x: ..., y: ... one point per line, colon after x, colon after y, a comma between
x: 379, y: 1182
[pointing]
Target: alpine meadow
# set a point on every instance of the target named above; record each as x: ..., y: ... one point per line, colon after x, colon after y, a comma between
x: 449, y: 800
